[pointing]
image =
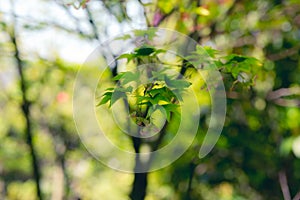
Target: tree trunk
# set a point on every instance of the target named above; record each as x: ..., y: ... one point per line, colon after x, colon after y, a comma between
x: 25, y: 107
x: 139, y: 187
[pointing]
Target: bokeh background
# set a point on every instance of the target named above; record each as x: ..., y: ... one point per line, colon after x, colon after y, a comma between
x: 44, y: 42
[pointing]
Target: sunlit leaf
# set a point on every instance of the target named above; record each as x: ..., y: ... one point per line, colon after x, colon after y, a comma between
x: 144, y: 51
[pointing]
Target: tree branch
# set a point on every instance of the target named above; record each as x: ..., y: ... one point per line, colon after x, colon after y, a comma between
x: 283, y: 92
x: 92, y: 22
x: 297, y: 196
x: 284, y: 185
x: 145, y: 13
x: 276, y: 96
x: 283, y: 54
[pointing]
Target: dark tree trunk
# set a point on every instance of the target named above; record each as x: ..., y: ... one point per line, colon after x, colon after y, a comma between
x: 26, y: 112
x: 139, y: 186
x: 192, y: 173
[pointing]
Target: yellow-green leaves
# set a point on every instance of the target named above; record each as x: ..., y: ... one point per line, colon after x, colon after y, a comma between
x: 242, y: 68
x: 202, y: 11
x: 142, y: 52
x: 148, y: 88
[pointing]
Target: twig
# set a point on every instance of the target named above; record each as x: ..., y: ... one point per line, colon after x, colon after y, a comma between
x: 165, y: 16
x: 276, y: 96
x: 287, y: 102
x: 145, y: 14
x: 297, y: 196
x: 74, y: 18
x: 282, y: 92
x: 284, y: 185
x: 92, y: 22
x: 49, y: 23
x: 283, y: 54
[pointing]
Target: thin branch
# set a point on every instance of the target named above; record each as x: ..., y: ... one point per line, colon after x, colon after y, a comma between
x: 297, y: 196
x: 233, y: 95
x: 284, y: 185
x: 284, y: 54
x: 165, y: 17
x: 287, y: 102
x: 276, y: 96
x: 49, y: 23
x: 92, y: 22
x: 114, y: 68
x: 283, y: 92
x: 78, y: 29
x: 145, y: 13
x: 191, y: 177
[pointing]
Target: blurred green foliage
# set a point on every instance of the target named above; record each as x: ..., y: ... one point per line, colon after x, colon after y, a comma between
x: 259, y: 144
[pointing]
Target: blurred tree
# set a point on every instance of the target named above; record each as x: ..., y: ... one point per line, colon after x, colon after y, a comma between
x: 257, y: 156
x: 26, y: 108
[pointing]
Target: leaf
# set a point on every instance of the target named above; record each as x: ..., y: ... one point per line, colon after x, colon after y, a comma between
x: 127, y: 77
x: 179, y: 84
x: 150, y: 33
x: 105, y: 98
x: 124, y: 37
x: 171, y: 108
x: 147, y: 103
x: 150, y: 111
x: 166, y: 113
x: 128, y: 56
x: 158, y: 75
x: 210, y: 51
x: 178, y: 94
x: 243, y: 77
x: 144, y: 51
x: 127, y: 89
x: 158, y: 51
x: 109, y: 89
x: 286, y: 146
x: 130, y: 76
x: 108, y: 93
x: 202, y: 11
x: 162, y: 94
x: 156, y: 91
x: 160, y: 97
x: 296, y: 147
x: 242, y: 68
x: 116, y: 96
x: 118, y: 76
x: 141, y: 100
x: 234, y: 57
